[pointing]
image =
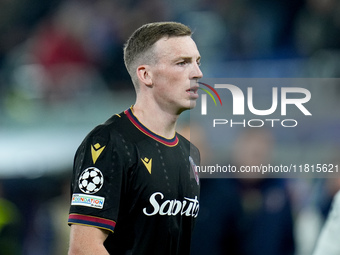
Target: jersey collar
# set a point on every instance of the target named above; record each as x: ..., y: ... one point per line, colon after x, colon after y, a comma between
x: 169, y: 142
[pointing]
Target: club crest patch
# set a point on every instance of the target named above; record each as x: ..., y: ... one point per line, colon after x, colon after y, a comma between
x: 91, y: 180
x: 194, y: 170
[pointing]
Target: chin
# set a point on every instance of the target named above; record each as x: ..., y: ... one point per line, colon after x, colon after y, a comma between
x: 191, y: 105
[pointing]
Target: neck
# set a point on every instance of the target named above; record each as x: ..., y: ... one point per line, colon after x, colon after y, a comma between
x: 154, y: 118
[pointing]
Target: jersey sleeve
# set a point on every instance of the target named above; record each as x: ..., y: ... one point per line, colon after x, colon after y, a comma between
x: 98, y: 180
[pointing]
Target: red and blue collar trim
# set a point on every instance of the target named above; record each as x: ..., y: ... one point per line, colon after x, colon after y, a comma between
x: 169, y: 142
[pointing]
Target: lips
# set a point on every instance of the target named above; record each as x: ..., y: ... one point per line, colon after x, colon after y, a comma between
x: 192, y: 90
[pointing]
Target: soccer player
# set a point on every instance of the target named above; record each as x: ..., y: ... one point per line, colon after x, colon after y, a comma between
x: 135, y: 189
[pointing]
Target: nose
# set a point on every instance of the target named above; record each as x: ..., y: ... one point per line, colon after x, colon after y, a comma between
x: 197, y: 73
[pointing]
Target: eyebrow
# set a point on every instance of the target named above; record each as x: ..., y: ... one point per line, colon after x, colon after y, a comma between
x: 187, y: 58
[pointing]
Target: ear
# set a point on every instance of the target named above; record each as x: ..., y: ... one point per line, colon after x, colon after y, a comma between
x: 144, y: 74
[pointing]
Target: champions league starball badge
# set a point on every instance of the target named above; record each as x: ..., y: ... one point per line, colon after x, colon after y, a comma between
x: 91, y: 180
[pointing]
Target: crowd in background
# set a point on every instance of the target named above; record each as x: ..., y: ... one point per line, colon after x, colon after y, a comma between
x: 57, y: 51
x: 62, y: 40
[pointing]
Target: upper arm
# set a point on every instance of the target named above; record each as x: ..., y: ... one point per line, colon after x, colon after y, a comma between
x: 97, y: 183
x: 93, y: 213
x: 87, y: 240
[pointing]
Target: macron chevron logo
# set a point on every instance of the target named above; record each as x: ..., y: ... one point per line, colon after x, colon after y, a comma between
x: 148, y: 163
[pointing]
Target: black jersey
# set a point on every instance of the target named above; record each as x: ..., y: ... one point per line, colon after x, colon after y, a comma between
x: 140, y: 186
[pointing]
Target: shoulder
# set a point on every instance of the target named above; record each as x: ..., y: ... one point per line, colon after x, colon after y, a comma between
x: 113, y: 135
x: 105, y: 145
x: 186, y: 142
x: 109, y: 131
x: 193, y: 150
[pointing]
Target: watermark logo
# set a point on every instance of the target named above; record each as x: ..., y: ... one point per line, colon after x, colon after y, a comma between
x: 281, y: 98
x: 204, y: 97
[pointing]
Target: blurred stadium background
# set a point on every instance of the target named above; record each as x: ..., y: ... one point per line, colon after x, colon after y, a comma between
x: 62, y: 73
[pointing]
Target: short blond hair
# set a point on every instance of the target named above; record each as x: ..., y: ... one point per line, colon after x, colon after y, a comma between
x: 138, y: 48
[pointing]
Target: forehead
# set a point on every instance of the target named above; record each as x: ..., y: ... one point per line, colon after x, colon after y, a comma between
x: 174, y: 47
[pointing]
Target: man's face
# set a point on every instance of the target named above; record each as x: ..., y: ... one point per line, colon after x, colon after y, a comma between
x: 175, y: 74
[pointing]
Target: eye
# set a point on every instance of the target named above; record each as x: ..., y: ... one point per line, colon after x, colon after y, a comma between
x: 182, y: 63
x: 198, y: 61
